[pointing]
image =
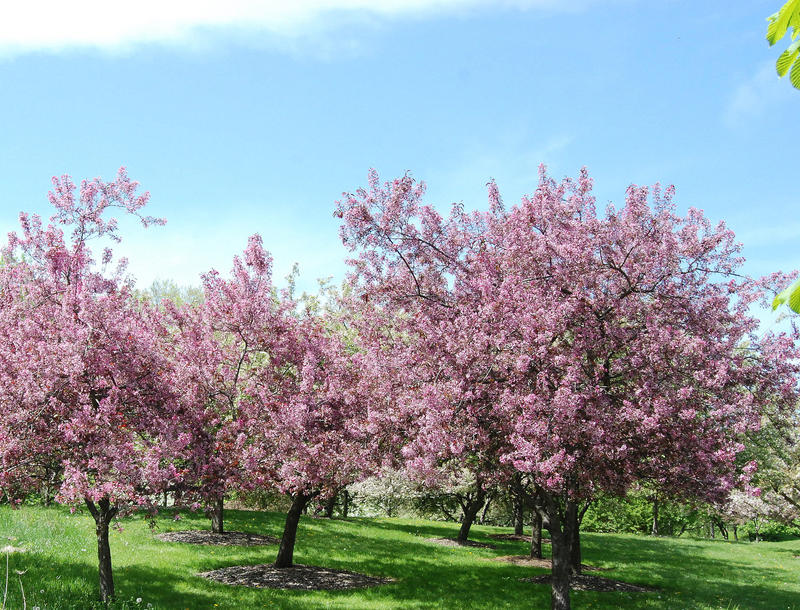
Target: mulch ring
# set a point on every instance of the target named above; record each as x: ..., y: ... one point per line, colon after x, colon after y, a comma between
x: 306, y: 578
x: 585, y: 582
x: 519, y: 537
x: 532, y: 562
x: 209, y: 537
x: 454, y: 542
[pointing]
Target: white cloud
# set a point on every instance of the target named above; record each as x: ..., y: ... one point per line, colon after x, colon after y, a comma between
x: 757, y: 95
x: 193, y: 243
x: 512, y: 159
x: 53, y: 25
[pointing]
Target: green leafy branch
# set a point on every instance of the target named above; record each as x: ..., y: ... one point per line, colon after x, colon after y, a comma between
x: 779, y: 23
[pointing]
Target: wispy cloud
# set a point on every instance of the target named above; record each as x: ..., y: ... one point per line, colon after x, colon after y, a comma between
x: 787, y: 232
x: 756, y: 96
x: 53, y: 25
x: 512, y: 159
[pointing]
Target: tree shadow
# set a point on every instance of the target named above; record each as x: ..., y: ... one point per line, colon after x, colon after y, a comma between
x: 687, y: 573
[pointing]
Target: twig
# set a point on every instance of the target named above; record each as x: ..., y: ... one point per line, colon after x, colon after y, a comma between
x: 24, y: 603
x: 5, y: 592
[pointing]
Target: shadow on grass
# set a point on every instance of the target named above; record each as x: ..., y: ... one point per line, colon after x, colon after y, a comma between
x: 688, y: 573
x: 65, y: 585
x: 709, y: 572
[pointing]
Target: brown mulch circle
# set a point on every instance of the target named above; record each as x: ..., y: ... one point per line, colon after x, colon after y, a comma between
x: 585, y: 582
x: 454, y: 542
x: 532, y: 562
x: 520, y: 537
x: 306, y: 578
x: 209, y: 537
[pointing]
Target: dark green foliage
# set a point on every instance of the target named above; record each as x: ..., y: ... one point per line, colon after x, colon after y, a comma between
x: 768, y: 531
x: 634, y: 515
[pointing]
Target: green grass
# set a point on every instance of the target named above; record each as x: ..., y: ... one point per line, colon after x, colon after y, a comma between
x: 61, y: 566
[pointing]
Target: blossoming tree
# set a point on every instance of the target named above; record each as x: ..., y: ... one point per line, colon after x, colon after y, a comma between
x: 219, y: 345
x: 613, y: 347
x: 424, y: 326
x: 82, y: 382
x: 295, y: 413
x: 307, y: 423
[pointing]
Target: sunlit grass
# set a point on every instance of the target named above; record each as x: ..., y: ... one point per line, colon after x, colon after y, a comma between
x: 60, y: 564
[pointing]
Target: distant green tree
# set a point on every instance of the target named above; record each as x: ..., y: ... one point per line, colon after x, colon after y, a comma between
x: 788, y: 17
x: 171, y: 290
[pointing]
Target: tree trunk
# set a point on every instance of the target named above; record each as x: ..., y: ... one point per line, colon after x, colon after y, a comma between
x: 536, y: 535
x: 654, y: 528
x: 486, y: 508
x: 216, y: 510
x: 560, y: 538
x: 103, y: 513
x: 345, y: 503
x: 471, y: 509
x: 286, y: 550
x: 735, y: 532
x: 330, y: 504
x: 518, y: 515
x: 575, y: 537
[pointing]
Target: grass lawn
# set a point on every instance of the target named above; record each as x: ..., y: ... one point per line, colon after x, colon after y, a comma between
x: 60, y: 563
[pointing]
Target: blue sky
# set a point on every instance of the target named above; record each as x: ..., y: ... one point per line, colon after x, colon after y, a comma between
x: 244, y: 117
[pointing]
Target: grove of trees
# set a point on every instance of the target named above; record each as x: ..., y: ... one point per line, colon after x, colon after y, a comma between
x: 548, y: 355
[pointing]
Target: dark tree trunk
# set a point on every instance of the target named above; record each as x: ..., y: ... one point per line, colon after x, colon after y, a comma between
x: 345, y: 503
x: 573, y: 519
x: 166, y: 498
x: 735, y: 533
x: 560, y: 537
x: 330, y: 504
x: 486, y: 508
x: 286, y: 550
x: 216, y: 510
x: 654, y: 528
x: 103, y: 513
x: 536, y: 535
x: 51, y: 480
x: 471, y: 509
x: 518, y: 514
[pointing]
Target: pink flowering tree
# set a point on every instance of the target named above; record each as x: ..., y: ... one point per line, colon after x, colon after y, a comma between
x: 308, y: 423
x: 616, y: 347
x: 425, y: 326
x: 279, y: 396
x: 83, y: 382
x: 219, y: 346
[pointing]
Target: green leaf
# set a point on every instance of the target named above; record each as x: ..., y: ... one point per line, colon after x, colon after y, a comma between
x: 790, y: 296
x: 779, y: 22
x: 786, y: 59
x: 794, y: 75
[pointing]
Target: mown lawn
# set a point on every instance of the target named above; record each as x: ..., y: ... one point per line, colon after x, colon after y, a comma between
x: 60, y: 566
